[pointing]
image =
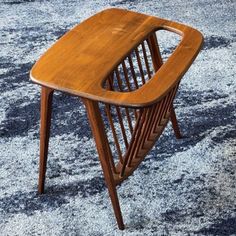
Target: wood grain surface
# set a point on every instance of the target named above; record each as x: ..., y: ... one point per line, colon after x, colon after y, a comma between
x: 80, y: 61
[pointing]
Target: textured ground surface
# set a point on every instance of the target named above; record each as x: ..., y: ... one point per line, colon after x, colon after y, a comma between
x: 184, y: 187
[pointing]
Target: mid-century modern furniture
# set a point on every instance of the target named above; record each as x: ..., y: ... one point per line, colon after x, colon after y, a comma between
x: 112, y: 62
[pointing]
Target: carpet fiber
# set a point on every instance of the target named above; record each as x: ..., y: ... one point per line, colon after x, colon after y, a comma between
x: 184, y: 187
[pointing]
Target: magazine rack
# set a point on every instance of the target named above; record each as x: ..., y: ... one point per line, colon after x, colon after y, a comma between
x: 112, y: 61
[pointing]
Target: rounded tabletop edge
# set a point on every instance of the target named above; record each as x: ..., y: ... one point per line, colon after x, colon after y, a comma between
x: 162, y: 81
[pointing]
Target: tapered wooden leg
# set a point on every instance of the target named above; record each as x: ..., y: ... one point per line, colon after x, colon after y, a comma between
x: 46, y: 106
x: 175, y: 123
x: 104, y: 153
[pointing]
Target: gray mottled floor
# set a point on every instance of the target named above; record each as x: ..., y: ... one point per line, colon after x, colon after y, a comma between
x: 184, y: 187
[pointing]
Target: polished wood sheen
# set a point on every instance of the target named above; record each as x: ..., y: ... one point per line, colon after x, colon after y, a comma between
x: 80, y: 61
x: 113, y: 62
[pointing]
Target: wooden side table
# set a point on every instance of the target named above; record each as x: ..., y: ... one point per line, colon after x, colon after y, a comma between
x: 112, y: 61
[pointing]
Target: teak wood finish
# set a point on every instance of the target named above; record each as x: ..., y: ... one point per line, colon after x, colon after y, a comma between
x: 113, y: 62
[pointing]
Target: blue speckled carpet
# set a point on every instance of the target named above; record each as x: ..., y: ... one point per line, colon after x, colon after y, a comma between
x: 184, y: 187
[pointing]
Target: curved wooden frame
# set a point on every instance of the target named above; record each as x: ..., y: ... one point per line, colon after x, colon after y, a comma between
x: 114, y: 69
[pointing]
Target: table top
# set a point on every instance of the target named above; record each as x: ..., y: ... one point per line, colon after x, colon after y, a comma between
x: 81, y: 60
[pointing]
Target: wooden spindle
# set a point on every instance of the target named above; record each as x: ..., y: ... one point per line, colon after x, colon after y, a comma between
x: 109, y: 116
x: 126, y: 75
x: 140, y: 65
x: 154, y: 117
x: 170, y: 101
x: 155, y: 52
x: 159, y: 113
x: 143, y: 128
x: 133, y: 140
x: 120, y: 119
x: 126, y: 109
x: 119, y: 80
x: 146, y: 61
x: 133, y: 72
x: 150, y: 123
